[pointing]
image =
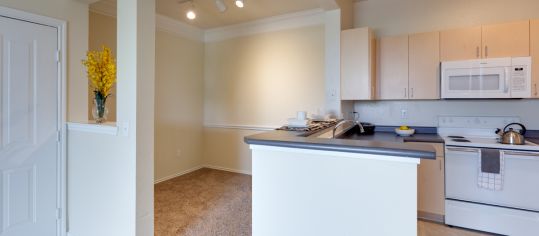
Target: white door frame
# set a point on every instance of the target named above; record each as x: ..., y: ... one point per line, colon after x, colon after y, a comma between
x: 61, y: 27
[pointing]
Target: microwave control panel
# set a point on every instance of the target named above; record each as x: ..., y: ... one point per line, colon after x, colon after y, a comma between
x: 519, y: 78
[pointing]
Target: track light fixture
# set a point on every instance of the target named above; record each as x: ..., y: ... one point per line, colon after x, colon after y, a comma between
x: 221, y: 6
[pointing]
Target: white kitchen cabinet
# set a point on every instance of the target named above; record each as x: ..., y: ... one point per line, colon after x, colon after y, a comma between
x: 431, y: 187
x: 487, y: 41
x: 357, y: 64
x: 506, y: 40
x: 460, y: 44
x: 424, y: 66
x: 408, y: 67
x: 392, y: 68
x: 534, y: 52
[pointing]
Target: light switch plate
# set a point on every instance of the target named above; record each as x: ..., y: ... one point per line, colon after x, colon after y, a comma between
x: 123, y: 128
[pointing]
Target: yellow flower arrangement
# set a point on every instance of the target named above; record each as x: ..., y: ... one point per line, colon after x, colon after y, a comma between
x: 101, y: 70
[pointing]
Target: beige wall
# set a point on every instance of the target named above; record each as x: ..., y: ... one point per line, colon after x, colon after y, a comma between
x: 265, y: 78
x: 76, y: 15
x: 102, y: 32
x: 178, y: 104
x: 225, y: 149
x: 347, y: 13
x: 391, y: 17
x: 259, y: 80
x: 178, y: 96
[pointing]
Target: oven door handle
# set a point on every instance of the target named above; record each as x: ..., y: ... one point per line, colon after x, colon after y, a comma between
x: 522, y: 155
x: 474, y: 150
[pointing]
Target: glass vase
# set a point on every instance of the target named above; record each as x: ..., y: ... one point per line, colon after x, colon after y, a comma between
x: 99, y: 110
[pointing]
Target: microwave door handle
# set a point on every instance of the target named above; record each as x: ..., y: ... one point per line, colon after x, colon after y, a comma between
x: 506, y: 82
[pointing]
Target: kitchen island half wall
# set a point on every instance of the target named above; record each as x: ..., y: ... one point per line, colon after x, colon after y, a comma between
x: 318, y: 186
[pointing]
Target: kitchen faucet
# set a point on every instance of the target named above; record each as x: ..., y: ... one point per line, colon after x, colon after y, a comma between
x: 342, y: 122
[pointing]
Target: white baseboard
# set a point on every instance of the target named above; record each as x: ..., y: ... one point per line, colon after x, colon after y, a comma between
x: 228, y: 169
x: 178, y: 174
x: 198, y: 168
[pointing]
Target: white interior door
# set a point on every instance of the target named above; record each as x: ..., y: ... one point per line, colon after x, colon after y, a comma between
x: 29, y: 147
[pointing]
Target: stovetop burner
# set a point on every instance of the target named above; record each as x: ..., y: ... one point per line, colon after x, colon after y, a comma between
x: 460, y: 140
x: 454, y: 136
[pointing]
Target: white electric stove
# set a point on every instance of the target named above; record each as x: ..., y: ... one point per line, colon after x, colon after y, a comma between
x: 467, y: 131
x: 486, y: 142
x: 504, y: 203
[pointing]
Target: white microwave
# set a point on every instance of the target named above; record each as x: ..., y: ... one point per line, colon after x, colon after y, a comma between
x: 487, y: 78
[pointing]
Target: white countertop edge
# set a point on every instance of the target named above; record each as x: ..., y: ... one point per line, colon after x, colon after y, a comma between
x: 108, y: 128
x: 336, y: 154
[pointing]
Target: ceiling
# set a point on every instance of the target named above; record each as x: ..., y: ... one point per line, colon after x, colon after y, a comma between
x: 209, y: 17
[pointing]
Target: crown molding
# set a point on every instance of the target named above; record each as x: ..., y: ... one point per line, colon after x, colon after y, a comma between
x: 163, y: 23
x: 107, y: 8
x: 270, y: 24
x: 274, y: 23
x: 177, y: 27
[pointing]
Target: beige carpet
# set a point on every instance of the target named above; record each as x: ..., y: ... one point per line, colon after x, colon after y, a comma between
x: 205, y: 202
x: 211, y: 202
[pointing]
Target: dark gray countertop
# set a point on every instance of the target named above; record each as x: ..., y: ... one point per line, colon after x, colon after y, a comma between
x: 533, y: 140
x: 381, y: 143
x: 392, y: 137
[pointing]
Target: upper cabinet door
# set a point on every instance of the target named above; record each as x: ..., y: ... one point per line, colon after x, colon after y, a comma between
x: 506, y: 40
x: 424, y: 66
x: 460, y: 44
x: 392, y: 67
x: 534, y: 51
x: 357, y: 64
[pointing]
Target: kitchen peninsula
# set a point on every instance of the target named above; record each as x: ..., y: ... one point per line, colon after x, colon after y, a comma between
x: 328, y: 186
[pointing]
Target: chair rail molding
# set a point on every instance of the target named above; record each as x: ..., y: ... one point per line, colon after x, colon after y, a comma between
x: 241, y: 127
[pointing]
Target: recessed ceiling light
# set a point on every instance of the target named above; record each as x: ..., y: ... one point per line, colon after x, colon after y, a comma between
x: 191, y: 14
x: 239, y: 3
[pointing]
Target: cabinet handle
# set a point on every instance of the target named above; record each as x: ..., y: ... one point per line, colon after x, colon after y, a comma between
x: 440, y: 162
x: 405, y: 93
x: 477, y: 52
x: 535, y: 86
x: 412, y: 93
x: 486, y: 51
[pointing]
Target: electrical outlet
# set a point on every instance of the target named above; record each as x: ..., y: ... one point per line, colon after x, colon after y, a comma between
x: 404, y: 114
x: 178, y: 152
x: 332, y: 92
